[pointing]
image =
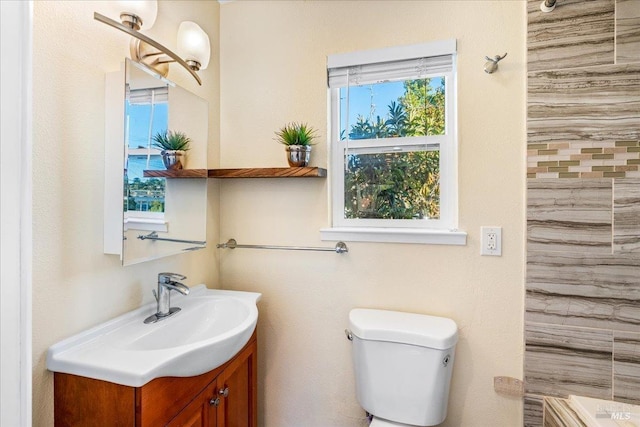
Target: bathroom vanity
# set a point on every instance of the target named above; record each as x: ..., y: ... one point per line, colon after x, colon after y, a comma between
x: 225, y: 396
x: 197, y: 367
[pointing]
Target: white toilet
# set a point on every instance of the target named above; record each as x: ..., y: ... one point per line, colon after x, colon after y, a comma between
x: 403, y: 364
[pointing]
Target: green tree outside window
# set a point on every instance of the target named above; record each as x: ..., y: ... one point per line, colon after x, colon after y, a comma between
x: 398, y: 185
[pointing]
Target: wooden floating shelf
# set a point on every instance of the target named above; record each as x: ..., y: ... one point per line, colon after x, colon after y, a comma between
x: 303, y: 172
x: 181, y: 173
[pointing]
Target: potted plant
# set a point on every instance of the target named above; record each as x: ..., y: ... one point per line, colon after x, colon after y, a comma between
x: 297, y: 139
x: 174, y: 145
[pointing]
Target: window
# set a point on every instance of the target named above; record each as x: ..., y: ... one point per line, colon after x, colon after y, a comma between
x: 393, y: 144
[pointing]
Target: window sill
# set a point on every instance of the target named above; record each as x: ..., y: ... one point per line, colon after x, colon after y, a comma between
x: 146, y: 224
x: 395, y: 235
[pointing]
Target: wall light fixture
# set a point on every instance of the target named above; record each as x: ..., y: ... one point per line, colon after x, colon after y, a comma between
x: 193, y: 45
x: 193, y: 42
x: 136, y: 14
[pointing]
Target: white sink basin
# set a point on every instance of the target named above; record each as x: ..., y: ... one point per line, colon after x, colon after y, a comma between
x: 211, y: 328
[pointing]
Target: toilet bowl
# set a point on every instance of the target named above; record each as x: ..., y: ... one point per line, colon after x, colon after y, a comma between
x: 403, y: 364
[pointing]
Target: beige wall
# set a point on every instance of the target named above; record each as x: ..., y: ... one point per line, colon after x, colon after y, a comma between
x: 75, y: 285
x: 305, y: 369
x: 273, y: 59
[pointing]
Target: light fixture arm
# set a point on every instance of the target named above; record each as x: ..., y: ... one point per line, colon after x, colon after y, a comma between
x: 147, y: 40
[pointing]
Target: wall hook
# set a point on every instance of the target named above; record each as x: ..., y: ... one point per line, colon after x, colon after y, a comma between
x: 492, y: 63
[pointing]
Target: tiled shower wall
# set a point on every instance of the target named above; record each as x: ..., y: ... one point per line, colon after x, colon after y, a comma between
x: 582, y: 303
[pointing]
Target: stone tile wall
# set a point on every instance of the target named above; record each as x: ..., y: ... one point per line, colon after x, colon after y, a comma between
x: 583, y: 108
x: 582, y: 301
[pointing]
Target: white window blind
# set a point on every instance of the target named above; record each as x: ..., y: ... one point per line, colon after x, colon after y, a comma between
x: 156, y: 95
x: 391, y: 64
x: 390, y: 71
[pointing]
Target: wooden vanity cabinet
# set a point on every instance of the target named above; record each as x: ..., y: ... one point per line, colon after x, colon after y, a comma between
x: 223, y: 397
x: 200, y: 412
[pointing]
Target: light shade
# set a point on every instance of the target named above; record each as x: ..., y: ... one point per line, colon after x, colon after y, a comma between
x: 146, y: 10
x: 193, y: 44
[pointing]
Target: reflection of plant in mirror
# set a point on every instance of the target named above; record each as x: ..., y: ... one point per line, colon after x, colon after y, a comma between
x: 296, y: 134
x: 171, y: 141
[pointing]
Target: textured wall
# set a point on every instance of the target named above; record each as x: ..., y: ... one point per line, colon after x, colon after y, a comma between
x: 75, y: 285
x: 273, y: 70
x: 582, y: 303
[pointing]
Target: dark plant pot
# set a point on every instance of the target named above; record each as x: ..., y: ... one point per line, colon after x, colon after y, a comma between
x: 298, y: 155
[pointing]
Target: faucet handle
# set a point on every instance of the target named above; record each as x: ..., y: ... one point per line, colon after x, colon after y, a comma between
x: 168, y: 277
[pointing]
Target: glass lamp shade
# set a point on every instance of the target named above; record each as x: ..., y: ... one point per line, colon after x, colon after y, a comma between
x: 193, y: 44
x: 146, y: 10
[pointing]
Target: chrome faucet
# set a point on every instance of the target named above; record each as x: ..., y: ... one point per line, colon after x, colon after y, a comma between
x: 166, y: 284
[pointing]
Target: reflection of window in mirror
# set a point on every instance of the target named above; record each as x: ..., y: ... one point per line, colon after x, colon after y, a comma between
x: 146, y: 114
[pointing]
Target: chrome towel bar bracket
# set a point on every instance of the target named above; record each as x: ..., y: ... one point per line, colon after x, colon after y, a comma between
x: 340, y: 247
x: 154, y: 236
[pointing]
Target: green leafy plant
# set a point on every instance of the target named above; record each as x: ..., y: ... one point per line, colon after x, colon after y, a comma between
x: 295, y: 133
x: 171, y: 141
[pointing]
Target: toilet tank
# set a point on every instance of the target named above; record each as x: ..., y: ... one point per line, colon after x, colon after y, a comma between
x: 403, y: 364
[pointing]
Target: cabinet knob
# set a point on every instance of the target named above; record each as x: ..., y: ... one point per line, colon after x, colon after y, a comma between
x: 215, y: 401
x: 224, y: 392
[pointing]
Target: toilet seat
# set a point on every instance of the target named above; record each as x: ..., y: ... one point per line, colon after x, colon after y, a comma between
x: 381, y: 422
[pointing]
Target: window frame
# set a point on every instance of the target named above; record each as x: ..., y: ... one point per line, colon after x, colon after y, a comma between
x: 439, y: 231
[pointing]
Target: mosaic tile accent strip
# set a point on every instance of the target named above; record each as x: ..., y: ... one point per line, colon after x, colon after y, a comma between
x: 583, y: 290
x: 592, y: 104
x: 626, y: 367
x: 563, y: 360
x: 533, y: 409
x: 578, y: 34
x: 569, y: 215
x: 560, y: 413
x: 626, y: 215
x: 604, y: 159
x: 627, y: 31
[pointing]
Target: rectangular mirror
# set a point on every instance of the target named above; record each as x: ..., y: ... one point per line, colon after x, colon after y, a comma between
x: 139, y: 105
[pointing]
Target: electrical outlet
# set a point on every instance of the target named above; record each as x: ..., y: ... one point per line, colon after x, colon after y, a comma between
x: 491, y: 241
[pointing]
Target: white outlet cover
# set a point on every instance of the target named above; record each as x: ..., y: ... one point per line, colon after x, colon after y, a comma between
x: 487, y: 244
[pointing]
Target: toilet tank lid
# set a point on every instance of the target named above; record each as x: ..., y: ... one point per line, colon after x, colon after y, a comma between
x: 407, y: 328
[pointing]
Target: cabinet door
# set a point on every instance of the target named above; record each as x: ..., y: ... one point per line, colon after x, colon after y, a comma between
x: 237, y: 389
x: 201, y: 412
